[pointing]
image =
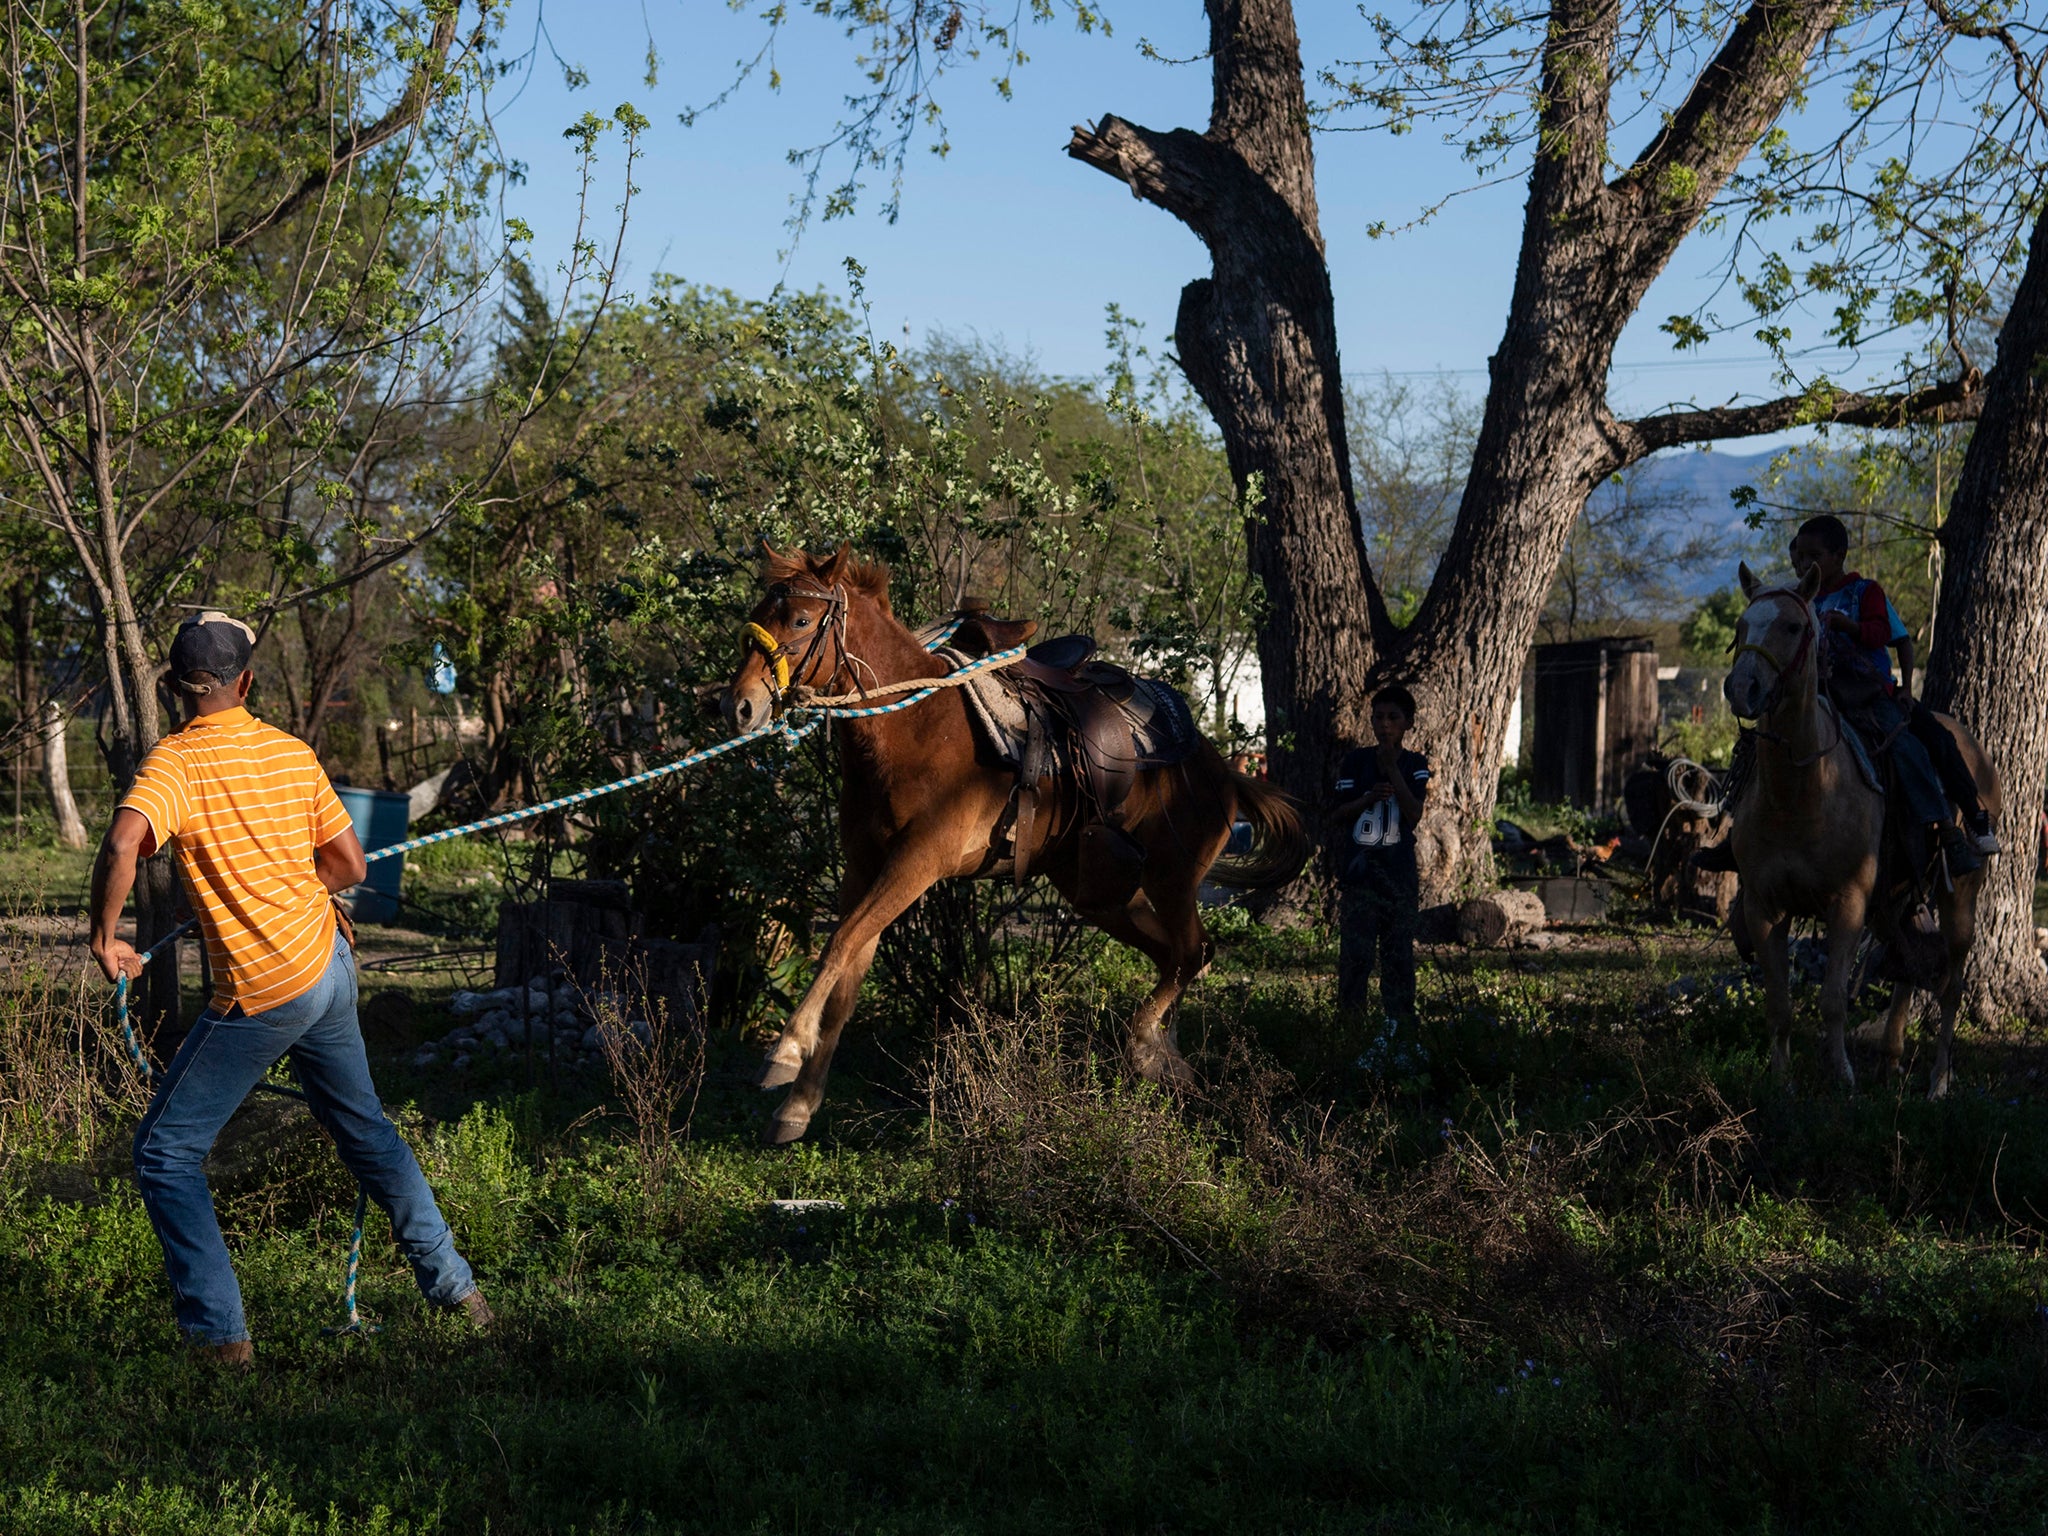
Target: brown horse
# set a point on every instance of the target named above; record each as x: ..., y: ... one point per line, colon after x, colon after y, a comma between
x: 922, y: 798
x: 1808, y: 835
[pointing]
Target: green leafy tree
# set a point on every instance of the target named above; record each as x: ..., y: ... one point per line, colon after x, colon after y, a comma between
x: 240, y: 242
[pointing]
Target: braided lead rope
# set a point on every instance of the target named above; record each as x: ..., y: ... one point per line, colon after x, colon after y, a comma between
x: 788, y: 728
x: 355, y: 1323
x: 785, y: 727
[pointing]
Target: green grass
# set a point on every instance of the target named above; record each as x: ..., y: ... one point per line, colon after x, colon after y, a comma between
x: 1588, y: 1271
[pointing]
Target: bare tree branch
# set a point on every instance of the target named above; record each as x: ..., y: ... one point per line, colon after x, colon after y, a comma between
x: 1958, y: 399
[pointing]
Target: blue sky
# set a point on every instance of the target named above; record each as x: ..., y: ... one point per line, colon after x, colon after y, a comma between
x: 1009, y: 239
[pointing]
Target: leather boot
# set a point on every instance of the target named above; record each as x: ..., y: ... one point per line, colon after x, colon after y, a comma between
x: 236, y: 1358
x: 1962, y: 854
x: 1982, y: 836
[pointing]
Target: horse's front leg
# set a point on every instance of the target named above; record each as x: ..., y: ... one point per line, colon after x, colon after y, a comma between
x: 807, y: 1093
x: 1959, y: 927
x: 1845, y: 930
x: 905, y: 875
x: 1769, y: 936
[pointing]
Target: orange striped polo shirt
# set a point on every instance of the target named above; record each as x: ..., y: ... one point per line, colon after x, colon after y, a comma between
x: 246, y: 806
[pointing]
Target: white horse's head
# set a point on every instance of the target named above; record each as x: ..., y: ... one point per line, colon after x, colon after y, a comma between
x: 1776, y: 641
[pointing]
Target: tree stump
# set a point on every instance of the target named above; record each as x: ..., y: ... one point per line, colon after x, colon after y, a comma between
x: 1499, y: 918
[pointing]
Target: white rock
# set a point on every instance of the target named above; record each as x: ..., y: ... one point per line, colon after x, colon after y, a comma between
x: 592, y: 1039
x: 460, y: 1062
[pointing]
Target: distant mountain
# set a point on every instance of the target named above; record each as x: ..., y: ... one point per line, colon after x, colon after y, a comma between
x: 1708, y: 478
x: 1699, y: 485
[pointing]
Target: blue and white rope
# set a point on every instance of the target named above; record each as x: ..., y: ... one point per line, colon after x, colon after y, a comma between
x: 792, y: 727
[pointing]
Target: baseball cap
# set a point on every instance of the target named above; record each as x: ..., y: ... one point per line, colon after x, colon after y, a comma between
x: 212, y: 644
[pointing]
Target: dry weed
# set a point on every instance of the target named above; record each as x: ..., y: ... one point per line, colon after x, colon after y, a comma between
x: 65, y: 1076
x: 657, y: 1071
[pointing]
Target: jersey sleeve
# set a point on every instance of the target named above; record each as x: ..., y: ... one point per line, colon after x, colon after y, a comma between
x: 1900, y: 633
x: 330, y: 817
x: 162, y: 793
x: 1876, y: 617
x: 1419, y: 776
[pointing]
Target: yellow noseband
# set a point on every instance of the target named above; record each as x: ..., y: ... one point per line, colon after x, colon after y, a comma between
x: 777, y: 657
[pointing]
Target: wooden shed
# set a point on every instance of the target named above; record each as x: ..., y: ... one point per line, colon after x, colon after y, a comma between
x: 1595, y: 711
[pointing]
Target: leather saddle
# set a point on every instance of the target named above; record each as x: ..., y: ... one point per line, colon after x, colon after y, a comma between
x: 1078, y: 731
x: 1093, y: 726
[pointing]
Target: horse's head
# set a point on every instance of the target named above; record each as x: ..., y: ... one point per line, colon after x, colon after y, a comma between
x: 796, y: 635
x: 1774, y: 643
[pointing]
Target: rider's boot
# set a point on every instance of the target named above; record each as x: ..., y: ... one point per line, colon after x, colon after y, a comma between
x: 1982, y: 836
x: 1960, y: 851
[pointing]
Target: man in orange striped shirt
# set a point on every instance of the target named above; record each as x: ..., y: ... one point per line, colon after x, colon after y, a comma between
x: 263, y: 844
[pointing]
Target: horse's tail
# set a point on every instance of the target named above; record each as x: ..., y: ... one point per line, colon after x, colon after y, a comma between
x: 1280, y: 844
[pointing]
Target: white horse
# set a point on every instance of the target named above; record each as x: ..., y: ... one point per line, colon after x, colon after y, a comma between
x: 1808, y: 834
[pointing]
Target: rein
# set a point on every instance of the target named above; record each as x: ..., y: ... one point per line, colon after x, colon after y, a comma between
x: 1787, y: 670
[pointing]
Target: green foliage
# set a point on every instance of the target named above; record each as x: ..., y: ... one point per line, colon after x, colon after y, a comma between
x: 483, y: 1180
x: 1710, y: 739
x: 1708, y: 633
x: 592, y: 617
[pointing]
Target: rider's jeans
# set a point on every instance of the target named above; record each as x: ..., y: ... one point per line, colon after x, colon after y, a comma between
x: 221, y: 1060
x: 1913, y: 770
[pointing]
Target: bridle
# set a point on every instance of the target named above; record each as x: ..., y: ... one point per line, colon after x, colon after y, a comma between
x: 832, y: 627
x: 1785, y: 671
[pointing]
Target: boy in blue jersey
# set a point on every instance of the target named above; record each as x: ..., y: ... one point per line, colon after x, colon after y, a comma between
x: 1860, y: 627
x: 1380, y: 791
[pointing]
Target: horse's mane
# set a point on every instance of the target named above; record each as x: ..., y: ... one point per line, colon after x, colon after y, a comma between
x: 868, y: 577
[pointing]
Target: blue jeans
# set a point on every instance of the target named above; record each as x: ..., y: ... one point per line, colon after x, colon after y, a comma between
x: 214, y: 1070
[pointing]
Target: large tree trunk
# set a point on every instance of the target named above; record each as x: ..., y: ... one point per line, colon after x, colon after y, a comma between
x: 1258, y: 341
x: 56, y: 774
x: 1989, y: 662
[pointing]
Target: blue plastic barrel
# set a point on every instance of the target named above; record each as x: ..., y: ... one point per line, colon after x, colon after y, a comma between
x: 380, y: 817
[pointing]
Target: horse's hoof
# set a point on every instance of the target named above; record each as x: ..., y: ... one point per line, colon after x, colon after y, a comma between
x: 781, y: 1068
x: 1164, y: 1065
x: 781, y: 1132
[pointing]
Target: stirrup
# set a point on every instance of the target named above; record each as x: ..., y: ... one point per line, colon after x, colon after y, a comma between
x: 1982, y: 836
